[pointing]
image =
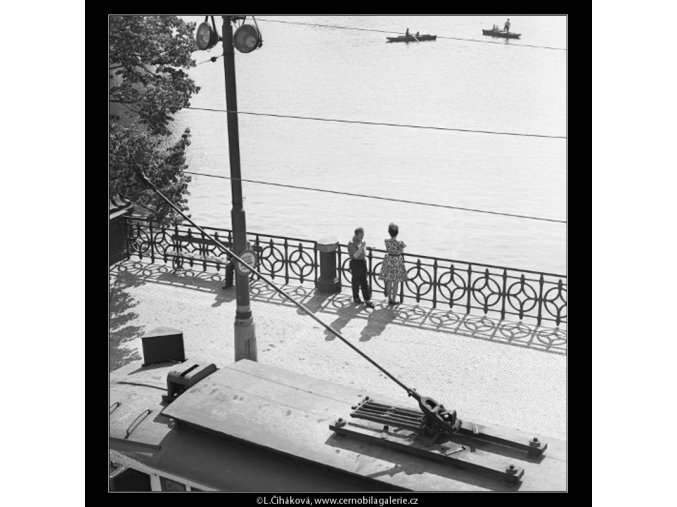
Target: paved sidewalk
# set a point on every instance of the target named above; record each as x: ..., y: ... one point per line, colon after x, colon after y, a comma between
x: 506, y: 373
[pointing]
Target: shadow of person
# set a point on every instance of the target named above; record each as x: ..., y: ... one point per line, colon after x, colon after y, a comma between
x: 346, y: 312
x: 376, y: 323
x: 224, y: 296
x: 314, y: 304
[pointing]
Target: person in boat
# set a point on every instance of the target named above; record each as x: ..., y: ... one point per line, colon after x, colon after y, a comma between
x: 407, y: 33
x: 507, y: 26
x: 416, y: 34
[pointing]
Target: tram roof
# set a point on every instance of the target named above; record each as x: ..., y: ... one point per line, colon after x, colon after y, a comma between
x: 249, y: 405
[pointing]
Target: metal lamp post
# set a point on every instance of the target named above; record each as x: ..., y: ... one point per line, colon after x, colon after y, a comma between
x: 246, y: 39
x: 245, y: 336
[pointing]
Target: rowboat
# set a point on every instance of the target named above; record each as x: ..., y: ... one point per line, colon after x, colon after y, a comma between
x: 411, y: 38
x: 501, y: 33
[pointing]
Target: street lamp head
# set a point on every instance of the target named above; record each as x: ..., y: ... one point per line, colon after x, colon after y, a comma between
x: 247, y: 38
x: 206, y: 36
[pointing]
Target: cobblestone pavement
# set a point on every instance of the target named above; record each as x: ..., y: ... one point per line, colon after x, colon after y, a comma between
x: 505, y: 373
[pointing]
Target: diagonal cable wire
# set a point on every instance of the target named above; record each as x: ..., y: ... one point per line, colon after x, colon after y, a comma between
x: 149, y: 184
x: 384, y: 124
x: 212, y: 59
x: 367, y: 196
x: 512, y: 44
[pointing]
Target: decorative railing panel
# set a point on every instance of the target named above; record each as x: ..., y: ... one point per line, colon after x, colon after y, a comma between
x: 184, y: 246
x: 468, y: 287
x: 457, y: 285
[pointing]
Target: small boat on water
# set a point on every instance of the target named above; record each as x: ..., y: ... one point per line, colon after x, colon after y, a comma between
x: 411, y: 38
x: 501, y: 33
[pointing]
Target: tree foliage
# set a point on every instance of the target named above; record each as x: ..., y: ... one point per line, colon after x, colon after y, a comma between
x: 164, y: 166
x: 149, y: 57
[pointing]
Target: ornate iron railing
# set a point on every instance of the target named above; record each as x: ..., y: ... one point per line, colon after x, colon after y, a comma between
x: 185, y: 246
x: 472, y: 286
x: 457, y: 285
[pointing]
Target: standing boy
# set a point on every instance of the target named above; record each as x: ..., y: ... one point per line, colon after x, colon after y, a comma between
x: 358, y: 268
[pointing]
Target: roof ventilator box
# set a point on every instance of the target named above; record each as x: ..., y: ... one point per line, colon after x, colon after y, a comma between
x: 189, y: 374
x: 162, y: 345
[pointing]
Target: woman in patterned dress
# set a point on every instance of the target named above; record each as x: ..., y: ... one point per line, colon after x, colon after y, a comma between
x: 392, y: 269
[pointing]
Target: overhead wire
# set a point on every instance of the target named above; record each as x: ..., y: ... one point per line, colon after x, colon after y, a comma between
x: 367, y: 196
x: 377, y: 123
x: 212, y: 59
x: 512, y: 44
x: 411, y: 392
x: 363, y: 122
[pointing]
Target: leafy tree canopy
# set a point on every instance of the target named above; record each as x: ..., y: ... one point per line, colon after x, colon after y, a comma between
x: 149, y: 57
x: 164, y: 166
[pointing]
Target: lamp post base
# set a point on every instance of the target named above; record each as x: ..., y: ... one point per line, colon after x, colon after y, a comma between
x: 245, y: 339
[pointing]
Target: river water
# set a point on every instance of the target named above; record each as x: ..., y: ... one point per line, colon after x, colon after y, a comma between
x: 356, y: 75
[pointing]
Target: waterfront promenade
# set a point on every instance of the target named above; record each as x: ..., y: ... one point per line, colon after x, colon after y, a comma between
x: 507, y: 373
